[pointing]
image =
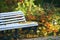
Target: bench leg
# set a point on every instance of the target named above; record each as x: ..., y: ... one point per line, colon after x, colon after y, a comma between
x: 34, y: 29
x: 1, y: 35
x: 16, y: 34
x: 7, y: 35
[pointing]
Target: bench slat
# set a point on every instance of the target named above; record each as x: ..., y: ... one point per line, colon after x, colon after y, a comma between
x: 12, y: 19
x: 13, y: 16
x: 3, y: 23
x: 11, y: 13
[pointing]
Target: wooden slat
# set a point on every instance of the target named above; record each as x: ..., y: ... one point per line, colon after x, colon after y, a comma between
x: 12, y: 16
x: 10, y: 13
x: 16, y: 21
x: 11, y: 19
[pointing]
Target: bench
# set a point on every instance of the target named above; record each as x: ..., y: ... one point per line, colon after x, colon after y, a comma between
x: 14, y: 20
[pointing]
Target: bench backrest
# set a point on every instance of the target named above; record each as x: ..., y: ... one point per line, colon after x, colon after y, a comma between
x: 11, y: 17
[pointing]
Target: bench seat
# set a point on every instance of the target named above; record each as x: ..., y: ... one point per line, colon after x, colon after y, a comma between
x: 17, y: 25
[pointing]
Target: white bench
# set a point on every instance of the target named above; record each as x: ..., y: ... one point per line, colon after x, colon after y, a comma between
x: 14, y: 20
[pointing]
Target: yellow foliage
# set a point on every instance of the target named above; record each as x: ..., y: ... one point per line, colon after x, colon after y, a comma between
x: 27, y: 3
x: 54, y: 28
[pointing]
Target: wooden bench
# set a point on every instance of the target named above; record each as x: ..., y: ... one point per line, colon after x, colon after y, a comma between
x: 14, y: 20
